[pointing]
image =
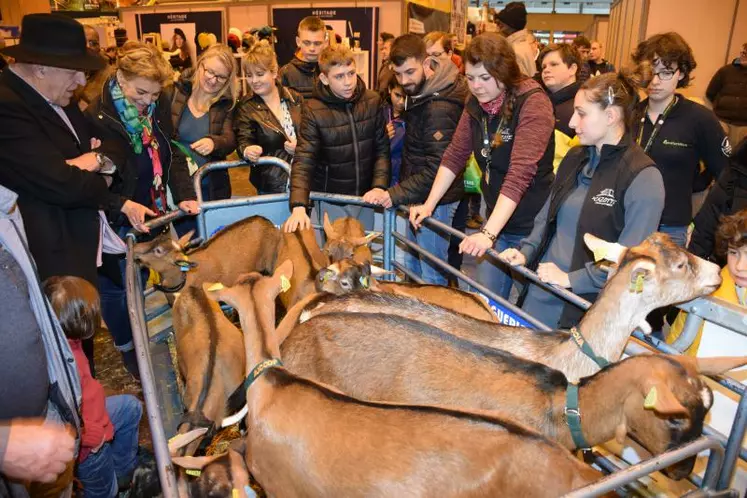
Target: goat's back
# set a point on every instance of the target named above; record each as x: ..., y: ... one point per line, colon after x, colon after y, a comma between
x: 243, y: 247
x: 467, y: 303
x: 305, y: 440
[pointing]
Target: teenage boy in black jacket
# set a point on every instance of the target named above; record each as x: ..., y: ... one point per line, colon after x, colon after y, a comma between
x: 302, y: 72
x: 342, y: 145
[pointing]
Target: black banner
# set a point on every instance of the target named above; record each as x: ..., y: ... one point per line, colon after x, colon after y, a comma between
x: 191, y: 23
x: 364, y: 20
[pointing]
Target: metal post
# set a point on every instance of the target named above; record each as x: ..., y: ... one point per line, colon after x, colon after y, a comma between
x: 135, y: 308
x: 388, y: 229
x: 734, y: 444
x: 689, y: 333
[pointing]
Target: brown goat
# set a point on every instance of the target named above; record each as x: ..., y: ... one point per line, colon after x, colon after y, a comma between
x: 307, y: 439
x: 395, y: 359
x: 219, y: 475
x: 247, y: 245
x: 302, y: 248
x: 666, y: 273
x: 347, y: 276
x: 210, y: 357
x: 346, y: 239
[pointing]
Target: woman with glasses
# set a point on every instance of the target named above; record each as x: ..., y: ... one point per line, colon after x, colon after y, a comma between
x: 267, y: 119
x: 202, y: 114
x: 676, y: 133
x: 132, y: 116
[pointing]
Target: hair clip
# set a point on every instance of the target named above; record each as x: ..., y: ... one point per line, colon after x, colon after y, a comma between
x: 610, y: 95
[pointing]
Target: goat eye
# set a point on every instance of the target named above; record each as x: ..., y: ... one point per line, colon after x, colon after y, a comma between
x: 159, y: 251
x: 345, y: 284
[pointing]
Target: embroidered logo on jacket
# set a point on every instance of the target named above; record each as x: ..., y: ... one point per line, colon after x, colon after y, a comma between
x: 605, y: 198
x: 438, y: 135
x: 726, y: 147
x: 674, y: 143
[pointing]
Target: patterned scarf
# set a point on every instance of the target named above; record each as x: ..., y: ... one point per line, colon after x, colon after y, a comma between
x: 140, y: 130
x: 494, y: 106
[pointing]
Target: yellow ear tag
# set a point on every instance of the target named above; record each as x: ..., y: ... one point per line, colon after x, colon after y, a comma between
x: 600, y: 253
x: 650, y: 402
x: 364, y: 282
x: 235, y: 493
x: 216, y: 287
x: 285, y: 284
x: 193, y: 472
x: 637, y: 286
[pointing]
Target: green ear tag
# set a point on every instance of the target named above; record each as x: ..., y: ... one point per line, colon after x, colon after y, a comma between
x: 650, y: 402
x: 285, y: 284
x: 364, y: 282
x: 193, y: 472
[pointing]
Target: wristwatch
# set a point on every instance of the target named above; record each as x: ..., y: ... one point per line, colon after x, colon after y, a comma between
x: 106, y: 165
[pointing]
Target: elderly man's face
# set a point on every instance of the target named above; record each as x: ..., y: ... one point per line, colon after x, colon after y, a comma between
x: 58, y: 84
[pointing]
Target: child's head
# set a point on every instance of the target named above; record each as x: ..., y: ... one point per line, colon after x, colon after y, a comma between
x: 312, y: 34
x: 76, y: 303
x: 395, y: 94
x: 731, y: 240
x: 337, y: 71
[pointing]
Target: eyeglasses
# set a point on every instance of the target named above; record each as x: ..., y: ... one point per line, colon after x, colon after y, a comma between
x: 211, y: 74
x: 665, y: 75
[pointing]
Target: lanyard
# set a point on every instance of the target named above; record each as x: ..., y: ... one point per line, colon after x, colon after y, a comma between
x: 487, y: 150
x: 657, y: 126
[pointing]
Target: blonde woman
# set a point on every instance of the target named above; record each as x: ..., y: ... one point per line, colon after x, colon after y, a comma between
x: 202, y: 114
x: 267, y: 118
x: 132, y: 117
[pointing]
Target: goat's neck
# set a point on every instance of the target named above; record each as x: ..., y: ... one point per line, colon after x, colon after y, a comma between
x: 258, y: 344
x: 602, y: 399
x: 613, y: 317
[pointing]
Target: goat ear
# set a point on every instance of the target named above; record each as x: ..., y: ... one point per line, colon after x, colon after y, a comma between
x: 662, y: 400
x: 181, y: 440
x: 214, y: 290
x: 195, y: 463
x: 640, y: 272
x: 282, y: 275
x: 184, y: 239
x: 328, y: 230
x: 603, y: 250
x: 363, y: 241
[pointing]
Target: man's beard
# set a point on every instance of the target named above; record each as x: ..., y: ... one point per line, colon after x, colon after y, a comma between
x: 412, y: 90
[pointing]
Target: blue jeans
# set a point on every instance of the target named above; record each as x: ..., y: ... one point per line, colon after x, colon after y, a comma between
x: 495, y: 275
x: 116, y: 459
x: 436, y: 243
x: 677, y: 233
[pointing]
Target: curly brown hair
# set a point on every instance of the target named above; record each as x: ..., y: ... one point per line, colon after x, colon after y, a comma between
x: 495, y: 53
x: 672, y: 50
x: 731, y: 232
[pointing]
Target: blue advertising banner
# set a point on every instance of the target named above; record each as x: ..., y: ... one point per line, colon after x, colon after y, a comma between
x: 505, y: 316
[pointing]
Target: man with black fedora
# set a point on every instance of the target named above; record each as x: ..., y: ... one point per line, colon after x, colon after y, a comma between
x: 47, y: 153
x: 511, y: 21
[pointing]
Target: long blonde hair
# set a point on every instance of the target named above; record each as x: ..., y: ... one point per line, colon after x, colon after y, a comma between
x: 224, y: 54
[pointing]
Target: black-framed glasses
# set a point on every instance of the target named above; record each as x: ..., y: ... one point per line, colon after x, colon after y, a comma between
x: 211, y: 74
x: 666, y: 74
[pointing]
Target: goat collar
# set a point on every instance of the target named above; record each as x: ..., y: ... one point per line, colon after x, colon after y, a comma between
x: 259, y: 370
x: 573, y: 417
x: 585, y: 348
x: 174, y: 289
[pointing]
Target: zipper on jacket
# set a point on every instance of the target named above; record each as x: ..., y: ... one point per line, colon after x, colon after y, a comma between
x: 356, y: 152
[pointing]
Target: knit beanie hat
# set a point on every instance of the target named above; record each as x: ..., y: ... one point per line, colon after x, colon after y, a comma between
x: 513, y: 15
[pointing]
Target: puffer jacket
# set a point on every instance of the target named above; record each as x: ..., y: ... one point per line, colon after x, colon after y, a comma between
x: 221, y: 130
x: 728, y: 92
x: 255, y: 124
x: 431, y: 119
x: 342, y: 145
x: 300, y: 76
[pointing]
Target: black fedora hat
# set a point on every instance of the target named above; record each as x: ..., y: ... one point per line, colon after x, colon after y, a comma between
x: 54, y: 40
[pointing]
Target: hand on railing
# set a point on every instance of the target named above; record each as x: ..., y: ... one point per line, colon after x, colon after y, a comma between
x: 513, y: 257
x: 418, y: 214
